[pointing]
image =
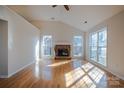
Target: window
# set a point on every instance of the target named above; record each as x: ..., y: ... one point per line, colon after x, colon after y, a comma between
x: 102, y: 43
x: 93, y: 46
x: 97, y: 46
x: 47, y: 45
x: 77, y: 46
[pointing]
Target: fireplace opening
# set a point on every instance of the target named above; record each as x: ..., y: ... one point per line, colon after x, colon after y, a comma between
x: 62, y: 52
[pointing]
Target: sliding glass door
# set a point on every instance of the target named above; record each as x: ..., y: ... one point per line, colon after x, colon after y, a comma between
x: 98, y: 46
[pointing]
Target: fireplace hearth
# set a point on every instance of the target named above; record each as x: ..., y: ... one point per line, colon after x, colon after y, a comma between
x: 62, y: 52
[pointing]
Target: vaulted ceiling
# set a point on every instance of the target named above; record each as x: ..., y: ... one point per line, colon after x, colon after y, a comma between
x: 76, y: 16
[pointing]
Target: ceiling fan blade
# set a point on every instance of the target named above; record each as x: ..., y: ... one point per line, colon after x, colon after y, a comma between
x: 54, y: 5
x: 66, y: 7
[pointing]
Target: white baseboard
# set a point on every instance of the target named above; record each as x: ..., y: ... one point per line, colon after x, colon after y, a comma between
x: 116, y: 74
x: 20, y: 69
x: 107, y: 69
x: 3, y: 76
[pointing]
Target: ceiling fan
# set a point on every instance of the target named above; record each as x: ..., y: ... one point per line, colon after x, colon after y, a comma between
x: 65, y: 6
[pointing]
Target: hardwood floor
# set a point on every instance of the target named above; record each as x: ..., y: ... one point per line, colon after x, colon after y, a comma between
x: 62, y: 73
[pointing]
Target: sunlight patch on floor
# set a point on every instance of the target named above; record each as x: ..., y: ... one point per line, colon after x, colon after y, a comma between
x: 86, y: 76
x: 87, y: 66
x: 73, y: 75
x: 59, y: 63
x: 96, y: 74
x: 85, y: 82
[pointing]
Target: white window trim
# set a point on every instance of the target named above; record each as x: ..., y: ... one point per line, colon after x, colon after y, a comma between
x: 100, y: 30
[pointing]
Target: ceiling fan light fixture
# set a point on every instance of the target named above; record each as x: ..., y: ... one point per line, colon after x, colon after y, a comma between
x: 65, y: 6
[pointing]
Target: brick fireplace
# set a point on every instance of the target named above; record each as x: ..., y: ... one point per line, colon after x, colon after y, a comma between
x: 62, y: 52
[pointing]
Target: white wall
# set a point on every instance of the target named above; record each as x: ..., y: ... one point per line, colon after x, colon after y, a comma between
x: 3, y: 48
x: 61, y: 33
x: 115, y: 47
x: 22, y: 40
